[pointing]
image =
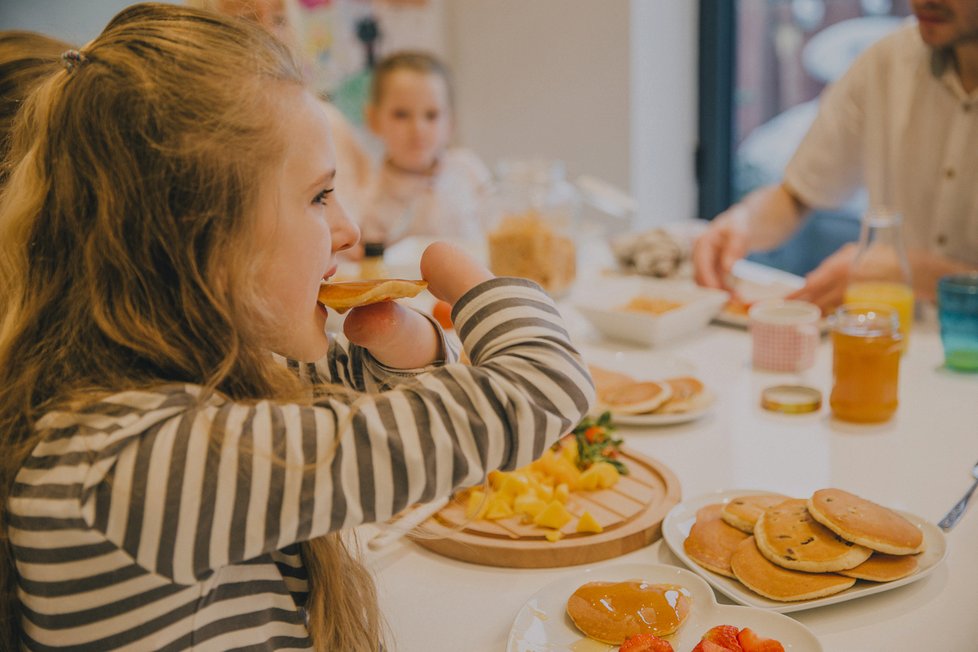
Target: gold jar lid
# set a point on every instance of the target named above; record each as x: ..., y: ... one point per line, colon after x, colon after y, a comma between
x: 791, y: 399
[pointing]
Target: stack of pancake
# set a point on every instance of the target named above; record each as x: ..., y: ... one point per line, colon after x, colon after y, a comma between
x: 622, y: 394
x: 790, y: 549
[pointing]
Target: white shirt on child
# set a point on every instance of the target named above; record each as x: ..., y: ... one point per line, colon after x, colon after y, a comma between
x: 448, y: 202
x: 160, y: 520
x: 900, y: 124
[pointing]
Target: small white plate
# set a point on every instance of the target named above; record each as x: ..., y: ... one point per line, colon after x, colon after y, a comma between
x: 654, y: 366
x: 679, y: 520
x: 753, y: 282
x: 542, y: 625
x: 652, y: 419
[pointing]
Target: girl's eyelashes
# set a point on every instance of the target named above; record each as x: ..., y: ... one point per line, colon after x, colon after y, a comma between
x: 320, y: 198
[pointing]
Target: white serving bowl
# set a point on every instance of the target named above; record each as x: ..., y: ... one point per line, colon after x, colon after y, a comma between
x: 601, y: 302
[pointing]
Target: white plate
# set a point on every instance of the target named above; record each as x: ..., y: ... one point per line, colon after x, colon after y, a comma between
x: 654, y: 366
x: 653, y: 419
x: 542, y: 625
x: 679, y: 520
x: 754, y: 282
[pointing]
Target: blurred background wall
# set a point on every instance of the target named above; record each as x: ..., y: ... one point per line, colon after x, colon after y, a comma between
x: 607, y: 86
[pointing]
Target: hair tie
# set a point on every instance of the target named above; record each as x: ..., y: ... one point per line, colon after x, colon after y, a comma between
x: 72, y: 58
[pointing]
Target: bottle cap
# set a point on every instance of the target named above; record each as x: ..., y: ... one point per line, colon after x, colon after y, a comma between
x: 373, y: 249
x: 791, y: 399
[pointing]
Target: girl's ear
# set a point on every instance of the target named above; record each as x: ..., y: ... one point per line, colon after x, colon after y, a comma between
x: 370, y: 118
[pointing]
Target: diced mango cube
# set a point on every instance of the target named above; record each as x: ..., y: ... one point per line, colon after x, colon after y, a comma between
x: 553, y: 536
x: 562, y: 492
x: 587, y: 524
x: 555, y: 515
x: 514, y: 484
x: 528, y: 504
x: 599, y: 476
x: 498, y: 508
x: 608, y: 474
x: 545, y: 493
x: 568, y: 450
x: 496, y: 479
x: 477, y: 504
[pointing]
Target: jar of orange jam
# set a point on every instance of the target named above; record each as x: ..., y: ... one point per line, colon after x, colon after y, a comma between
x: 866, y: 347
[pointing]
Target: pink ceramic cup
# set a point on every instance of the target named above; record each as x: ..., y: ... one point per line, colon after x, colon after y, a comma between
x: 784, y: 334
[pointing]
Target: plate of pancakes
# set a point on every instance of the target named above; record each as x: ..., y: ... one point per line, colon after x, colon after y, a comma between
x: 671, y: 399
x: 775, y: 552
x: 550, y: 620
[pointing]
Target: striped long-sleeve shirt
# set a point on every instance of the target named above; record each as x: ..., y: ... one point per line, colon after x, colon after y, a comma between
x: 160, y: 520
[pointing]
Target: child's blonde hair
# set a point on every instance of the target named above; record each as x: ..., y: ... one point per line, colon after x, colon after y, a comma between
x: 25, y: 59
x: 125, y: 250
x: 413, y: 60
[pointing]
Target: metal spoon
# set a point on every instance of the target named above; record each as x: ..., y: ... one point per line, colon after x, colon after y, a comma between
x: 954, y: 515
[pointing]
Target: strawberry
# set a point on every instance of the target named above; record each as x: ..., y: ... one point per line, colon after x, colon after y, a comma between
x: 709, y: 646
x: 725, y: 636
x: 645, y: 643
x: 751, y: 642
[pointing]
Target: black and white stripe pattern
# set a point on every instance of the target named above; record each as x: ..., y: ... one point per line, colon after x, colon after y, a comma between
x: 154, y: 520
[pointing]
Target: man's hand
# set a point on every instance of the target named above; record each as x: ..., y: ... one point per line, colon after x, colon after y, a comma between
x: 825, y: 286
x: 721, y: 245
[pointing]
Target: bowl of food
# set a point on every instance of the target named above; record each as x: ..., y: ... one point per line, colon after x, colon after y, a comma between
x: 648, y: 311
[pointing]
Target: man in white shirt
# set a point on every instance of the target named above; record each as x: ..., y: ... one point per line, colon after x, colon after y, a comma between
x: 903, y: 123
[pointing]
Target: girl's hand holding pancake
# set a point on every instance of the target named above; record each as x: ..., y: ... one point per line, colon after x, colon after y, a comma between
x: 450, y: 271
x: 396, y: 336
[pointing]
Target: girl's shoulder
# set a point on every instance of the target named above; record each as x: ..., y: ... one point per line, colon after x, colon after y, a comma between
x: 132, y: 410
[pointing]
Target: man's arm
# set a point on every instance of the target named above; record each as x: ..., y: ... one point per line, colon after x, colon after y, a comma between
x: 762, y: 220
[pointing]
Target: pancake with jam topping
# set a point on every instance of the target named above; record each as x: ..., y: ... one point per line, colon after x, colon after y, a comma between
x: 610, y: 612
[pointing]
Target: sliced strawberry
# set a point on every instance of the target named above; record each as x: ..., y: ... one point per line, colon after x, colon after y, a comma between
x: 709, y: 646
x: 645, y: 643
x: 751, y: 642
x: 725, y: 636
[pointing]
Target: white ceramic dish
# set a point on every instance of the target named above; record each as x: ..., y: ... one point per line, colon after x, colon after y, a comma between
x: 601, y: 303
x: 679, y: 520
x: 542, y: 624
x: 654, y: 366
x: 665, y: 419
x: 754, y: 282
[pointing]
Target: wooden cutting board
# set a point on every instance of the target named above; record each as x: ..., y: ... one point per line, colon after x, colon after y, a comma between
x: 631, y: 514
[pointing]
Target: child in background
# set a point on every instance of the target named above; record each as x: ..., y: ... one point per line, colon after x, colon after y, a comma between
x: 422, y: 187
x: 164, y: 483
x: 25, y: 59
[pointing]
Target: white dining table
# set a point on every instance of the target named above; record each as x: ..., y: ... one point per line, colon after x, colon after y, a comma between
x: 918, y: 462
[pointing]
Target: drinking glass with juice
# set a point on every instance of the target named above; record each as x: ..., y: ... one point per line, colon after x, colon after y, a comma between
x: 866, y: 349
x: 880, y: 271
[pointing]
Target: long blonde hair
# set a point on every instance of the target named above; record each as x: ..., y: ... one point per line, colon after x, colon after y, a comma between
x: 25, y: 59
x: 124, y: 251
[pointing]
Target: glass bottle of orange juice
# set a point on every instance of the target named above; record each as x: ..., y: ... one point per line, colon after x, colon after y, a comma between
x: 866, y: 348
x: 880, y: 272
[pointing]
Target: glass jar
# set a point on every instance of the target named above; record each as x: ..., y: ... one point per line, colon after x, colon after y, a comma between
x: 532, y: 218
x: 866, y: 348
x: 880, y: 272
